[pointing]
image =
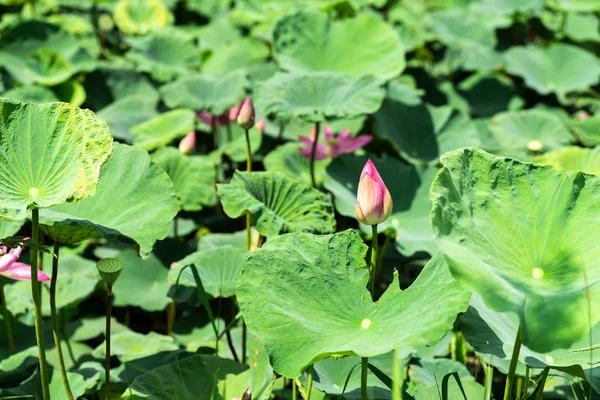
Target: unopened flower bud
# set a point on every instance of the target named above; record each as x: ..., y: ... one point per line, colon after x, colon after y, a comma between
x: 246, y: 116
x: 373, y: 200
x: 188, y: 143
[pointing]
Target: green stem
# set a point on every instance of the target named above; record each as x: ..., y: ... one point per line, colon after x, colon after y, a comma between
x: 526, y: 382
x: 373, y: 263
x: 489, y: 378
x: 313, y: 153
x: 510, y: 379
x: 6, y: 315
x: 107, y: 335
x: 294, y: 390
x: 248, y: 235
x: 248, y: 151
x: 364, y: 370
x: 229, y: 135
x: 37, y: 307
x: 214, y: 131
x: 244, y: 338
x: 310, y: 382
x: 397, y: 376
x: 171, y: 313
x: 59, y: 353
x: 541, y: 383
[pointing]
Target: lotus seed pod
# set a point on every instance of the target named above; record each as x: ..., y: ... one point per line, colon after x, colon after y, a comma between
x: 110, y: 269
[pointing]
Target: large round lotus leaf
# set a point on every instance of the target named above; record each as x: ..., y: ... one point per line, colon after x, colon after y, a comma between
x: 318, y: 96
x: 213, y: 94
x: 288, y: 160
x: 51, y: 153
x: 413, y: 22
x: 31, y: 94
x: 138, y: 17
x: 192, y: 176
x: 277, y: 203
x: 422, y: 133
x: 409, y: 188
x: 163, y: 129
x: 218, y: 269
x: 34, y: 51
x: 587, y: 131
x: 135, y: 202
x: 9, y: 228
x: 238, y: 54
x: 573, y: 159
x: 166, y: 55
x: 524, y: 237
x: 582, y: 27
x: 492, y: 332
x: 142, y: 283
x: 318, y: 303
x: 519, y: 132
x: 197, y: 377
x: 127, y: 112
x: 358, y: 46
x: 559, y: 68
x: 131, y: 345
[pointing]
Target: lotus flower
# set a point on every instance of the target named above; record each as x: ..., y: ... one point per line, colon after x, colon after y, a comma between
x: 188, y: 143
x: 246, y: 116
x: 333, y: 146
x: 373, y: 200
x: 12, y: 269
x: 207, y: 118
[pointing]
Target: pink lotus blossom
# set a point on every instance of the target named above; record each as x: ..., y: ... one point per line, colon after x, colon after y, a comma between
x: 12, y: 269
x: 333, y: 146
x: 188, y: 143
x: 373, y: 200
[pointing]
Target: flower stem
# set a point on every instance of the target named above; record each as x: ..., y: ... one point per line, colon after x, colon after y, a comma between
x: 229, y: 135
x: 310, y: 381
x: 363, y: 377
x: 171, y: 313
x: 397, y: 376
x: 6, y: 316
x: 64, y: 335
x: 248, y: 235
x: 59, y: 353
x: 37, y: 307
x: 489, y: 378
x: 107, y: 335
x: 510, y: 379
x: 294, y: 390
x: 541, y: 383
x: 313, y: 153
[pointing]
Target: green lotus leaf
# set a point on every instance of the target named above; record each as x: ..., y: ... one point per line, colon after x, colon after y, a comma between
x: 218, y: 269
x: 128, y: 346
x: 213, y: 94
x: 192, y: 176
x: 277, y: 203
x: 72, y: 23
x: 71, y: 91
x: 294, y: 128
x: 138, y: 17
x: 413, y: 23
x: 198, y: 376
x: 110, y: 84
x: 488, y: 95
x: 215, y: 240
x: 238, y: 54
x: 318, y: 303
x: 142, y: 283
x: 209, y: 8
x: 575, y: 5
x: 409, y: 188
x: 573, y: 159
x: 34, y: 51
x: 492, y: 332
x: 9, y: 228
x: 163, y: 129
x: 218, y: 33
x: 582, y: 27
x: 31, y: 94
x: 318, y: 96
x: 288, y: 160
x: 422, y: 133
x: 135, y: 202
x: 166, y: 55
x: 430, y: 372
x: 32, y: 388
x: 523, y: 236
x: 52, y: 153
x: 559, y: 68
x: 236, y: 148
x: 127, y: 112
x: 472, y: 389
x: 520, y: 132
x: 587, y: 131
x: 358, y: 46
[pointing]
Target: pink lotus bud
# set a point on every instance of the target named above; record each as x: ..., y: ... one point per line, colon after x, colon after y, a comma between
x: 246, y: 116
x: 233, y: 113
x: 260, y: 125
x: 188, y: 143
x: 373, y: 200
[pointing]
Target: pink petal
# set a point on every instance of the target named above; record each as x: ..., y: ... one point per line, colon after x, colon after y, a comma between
x: 3, y: 250
x: 22, y: 272
x: 188, y: 143
x: 344, y: 136
x: 354, y: 144
x: 328, y: 134
x: 320, y: 151
x: 306, y: 140
x: 205, y: 117
x: 6, y: 261
x: 305, y: 151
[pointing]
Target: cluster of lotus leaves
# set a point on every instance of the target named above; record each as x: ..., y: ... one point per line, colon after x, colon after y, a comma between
x: 525, y: 238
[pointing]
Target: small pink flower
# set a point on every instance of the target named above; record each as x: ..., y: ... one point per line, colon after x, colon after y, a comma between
x: 334, y: 146
x: 12, y: 269
x: 188, y: 143
x: 373, y: 200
